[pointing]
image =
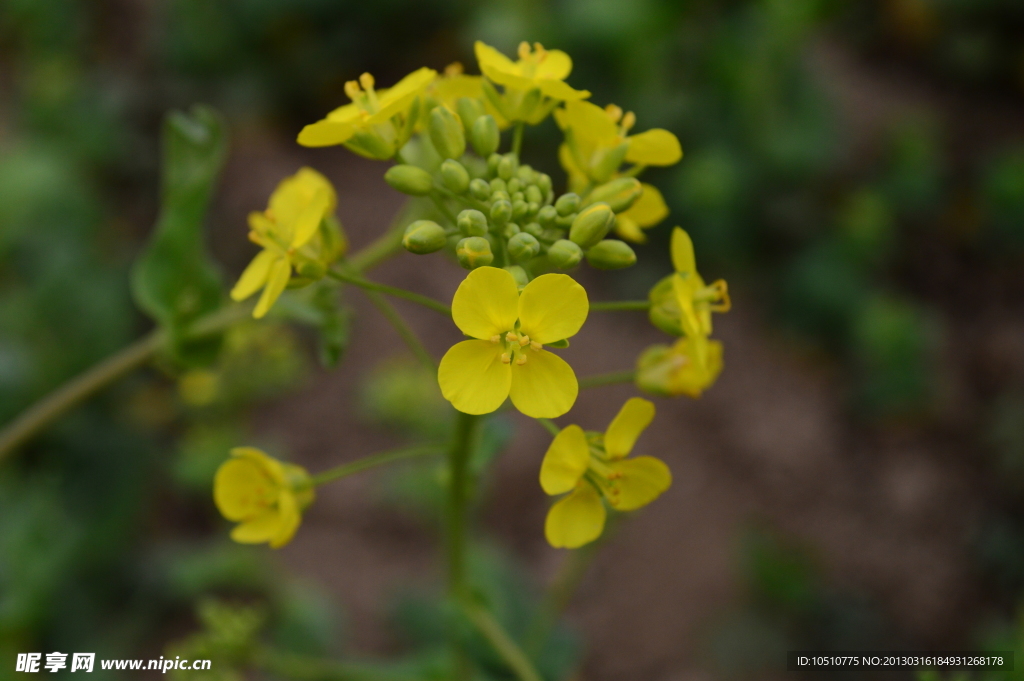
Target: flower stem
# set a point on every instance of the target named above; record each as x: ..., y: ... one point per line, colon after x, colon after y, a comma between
x: 455, y: 520
x: 612, y: 378
x: 373, y: 461
x: 412, y: 341
x: 618, y: 305
x: 356, y: 280
x: 517, y: 138
x: 500, y: 640
x: 550, y: 426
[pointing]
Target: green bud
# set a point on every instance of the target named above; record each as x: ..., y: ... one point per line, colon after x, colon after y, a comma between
x: 492, y: 164
x: 409, y: 179
x: 546, y: 216
x: 498, y: 185
x: 518, y: 196
x: 500, y: 196
x: 619, y: 194
x: 523, y: 246
x: 473, y: 252
x: 519, y: 208
x: 550, y: 236
x: 472, y: 222
x: 565, y: 221
x: 544, y: 183
x: 506, y: 168
x: 526, y: 174
x: 446, y: 133
x: 532, y: 209
x: 611, y: 254
x: 371, y: 145
x: 469, y: 110
x: 534, y: 229
x: 485, y: 135
x: 501, y: 212
x: 591, y: 225
x: 514, y: 185
x: 455, y: 176
x: 424, y: 236
x: 510, y: 230
x: 519, y: 274
x: 534, y: 195
x: 609, y: 162
x: 567, y: 203
x: 480, y: 189
x: 564, y: 254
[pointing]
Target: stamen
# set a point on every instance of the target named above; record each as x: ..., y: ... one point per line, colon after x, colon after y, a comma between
x: 523, y: 340
x: 495, y: 338
x: 534, y: 345
x: 352, y: 90
x: 366, y: 80
x: 453, y: 69
x: 505, y: 358
x: 614, y: 112
x: 539, y: 52
x: 628, y: 121
x: 521, y: 360
x: 524, y: 50
x: 510, y: 336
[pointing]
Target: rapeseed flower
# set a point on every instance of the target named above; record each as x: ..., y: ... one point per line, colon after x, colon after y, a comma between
x: 681, y: 303
x: 534, y: 84
x: 377, y: 123
x: 594, y: 469
x: 265, y: 496
x: 295, y: 231
x: 507, y: 357
x: 688, y: 367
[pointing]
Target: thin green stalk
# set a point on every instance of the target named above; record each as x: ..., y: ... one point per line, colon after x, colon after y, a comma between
x: 612, y: 378
x: 517, y: 138
x: 456, y: 522
x: 356, y: 280
x: 617, y: 305
x: 502, y: 643
x: 563, y: 586
x: 373, y: 461
x: 550, y: 426
x: 410, y: 338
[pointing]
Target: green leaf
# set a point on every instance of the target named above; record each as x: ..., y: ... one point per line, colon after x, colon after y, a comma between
x: 564, y: 343
x: 174, y: 280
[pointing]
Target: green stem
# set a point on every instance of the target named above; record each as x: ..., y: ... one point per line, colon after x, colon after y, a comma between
x: 373, y: 461
x: 616, y: 305
x: 612, y: 378
x: 410, y: 338
x: 356, y: 280
x: 436, y: 198
x: 550, y: 425
x: 455, y: 520
x: 517, y: 138
x: 563, y: 586
x: 502, y: 643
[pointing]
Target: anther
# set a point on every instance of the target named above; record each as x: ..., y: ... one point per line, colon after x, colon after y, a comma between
x: 510, y: 336
x: 495, y: 338
x: 628, y: 121
x: 521, y: 360
x: 614, y: 112
x: 523, y: 340
x: 505, y: 358
x: 534, y: 345
x: 524, y: 50
x: 352, y: 90
x: 366, y: 80
x: 453, y: 69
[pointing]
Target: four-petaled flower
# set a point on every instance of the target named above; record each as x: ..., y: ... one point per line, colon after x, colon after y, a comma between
x: 264, y: 495
x: 681, y: 303
x: 593, y: 466
x: 293, y: 233
x: 534, y: 84
x: 508, y: 359
x: 377, y: 123
x: 687, y: 367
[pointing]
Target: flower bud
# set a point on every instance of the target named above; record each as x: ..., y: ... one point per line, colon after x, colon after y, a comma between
x: 501, y: 212
x: 609, y: 162
x: 492, y: 164
x: 500, y: 196
x: 473, y: 252
x: 565, y: 221
x: 455, y: 176
x: 498, y: 185
x: 544, y: 183
x: 534, y: 229
x: 611, y: 254
x: 469, y: 109
x: 410, y: 180
x: 564, y: 254
x: 370, y: 145
x: 446, y: 133
x: 546, y: 216
x: 311, y: 269
x: 567, y: 203
x: 534, y: 195
x: 550, y: 236
x: 526, y: 174
x: 591, y: 225
x: 510, y: 230
x: 620, y: 194
x: 472, y: 222
x: 523, y: 246
x: 519, y: 208
x: 518, y: 196
x: 519, y: 274
x: 485, y: 135
x: 506, y: 167
x: 480, y: 189
x: 424, y: 236
x: 514, y: 185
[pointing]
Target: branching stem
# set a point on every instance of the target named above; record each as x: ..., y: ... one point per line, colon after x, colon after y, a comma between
x: 619, y: 305
x: 373, y: 461
x: 611, y: 378
x: 356, y: 280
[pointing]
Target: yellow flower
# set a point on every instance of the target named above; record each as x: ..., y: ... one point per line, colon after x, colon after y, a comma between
x: 295, y: 231
x: 452, y: 86
x: 597, y: 143
x: 688, y: 367
x: 593, y: 466
x: 534, y: 85
x: 649, y: 210
x: 681, y: 303
x: 378, y: 122
x: 265, y: 496
x: 507, y: 357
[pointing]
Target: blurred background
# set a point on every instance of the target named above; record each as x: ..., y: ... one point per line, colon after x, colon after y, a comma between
x: 854, y: 169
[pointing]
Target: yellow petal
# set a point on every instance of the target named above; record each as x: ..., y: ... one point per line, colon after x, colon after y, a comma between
x: 397, y: 99
x: 552, y: 307
x: 325, y: 133
x: 277, y: 280
x: 636, y: 414
x: 309, y: 219
x: 649, y: 209
x: 688, y: 319
x: 289, y: 520
x: 565, y: 461
x: 254, y: 276
x: 242, y: 489
x: 629, y: 230
x: 486, y: 303
x: 589, y: 121
x: 555, y: 64
x: 273, y: 467
x: 682, y: 252
x: 559, y: 89
x: 259, y: 529
x: 576, y: 520
x: 655, y: 147
x: 544, y: 387
x: 499, y: 68
x: 473, y: 378
x: 642, y: 480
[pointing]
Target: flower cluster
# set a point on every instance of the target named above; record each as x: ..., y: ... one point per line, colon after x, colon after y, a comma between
x: 516, y: 233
